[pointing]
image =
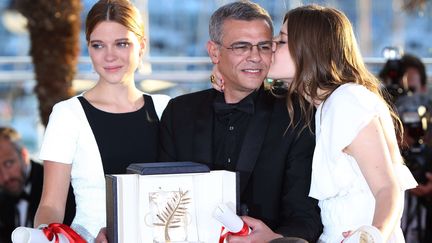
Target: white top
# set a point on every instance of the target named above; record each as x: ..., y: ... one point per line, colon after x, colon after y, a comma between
x: 344, y: 196
x: 69, y: 139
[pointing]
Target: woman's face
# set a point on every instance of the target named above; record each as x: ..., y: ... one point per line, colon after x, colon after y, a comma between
x: 115, y: 52
x: 282, y: 67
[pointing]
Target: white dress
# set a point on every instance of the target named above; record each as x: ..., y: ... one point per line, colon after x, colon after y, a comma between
x: 69, y: 139
x: 345, y: 200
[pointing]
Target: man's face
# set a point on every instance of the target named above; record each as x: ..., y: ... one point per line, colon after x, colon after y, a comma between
x: 242, y: 73
x: 12, y: 177
x: 412, y: 81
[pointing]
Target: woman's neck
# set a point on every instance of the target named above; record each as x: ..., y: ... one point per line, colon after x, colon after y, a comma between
x: 115, y: 98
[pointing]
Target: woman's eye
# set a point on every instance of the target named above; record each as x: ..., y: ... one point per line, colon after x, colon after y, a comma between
x: 96, y: 46
x: 123, y: 44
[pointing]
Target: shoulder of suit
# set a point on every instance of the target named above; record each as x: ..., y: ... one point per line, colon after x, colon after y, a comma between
x: 36, y: 165
x: 194, y: 97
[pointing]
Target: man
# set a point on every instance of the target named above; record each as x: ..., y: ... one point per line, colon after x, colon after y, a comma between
x: 417, y: 218
x: 20, y: 186
x: 414, y: 78
x: 245, y: 129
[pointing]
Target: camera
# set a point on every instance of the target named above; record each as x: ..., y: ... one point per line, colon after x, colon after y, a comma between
x: 413, y: 108
x: 393, y: 72
x: 415, y: 119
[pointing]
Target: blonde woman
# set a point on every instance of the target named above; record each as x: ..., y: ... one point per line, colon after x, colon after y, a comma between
x: 103, y: 130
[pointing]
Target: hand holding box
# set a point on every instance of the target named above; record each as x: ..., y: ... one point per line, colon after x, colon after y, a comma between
x: 367, y: 234
x: 58, y: 233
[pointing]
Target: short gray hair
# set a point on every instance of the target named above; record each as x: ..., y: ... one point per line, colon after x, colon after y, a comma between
x: 240, y: 10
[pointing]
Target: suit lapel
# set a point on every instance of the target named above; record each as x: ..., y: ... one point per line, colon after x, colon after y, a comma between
x: 254, y: 139
x: 203, y: 135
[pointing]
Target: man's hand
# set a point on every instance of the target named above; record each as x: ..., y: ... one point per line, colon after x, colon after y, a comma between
x: 260, y: 232
x: 424, y: 189
x: 101, y: 237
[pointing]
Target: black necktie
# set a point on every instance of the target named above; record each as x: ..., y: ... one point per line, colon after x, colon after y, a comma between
x: 246, y: 106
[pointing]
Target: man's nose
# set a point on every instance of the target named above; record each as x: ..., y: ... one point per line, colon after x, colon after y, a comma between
x: 254, y: 54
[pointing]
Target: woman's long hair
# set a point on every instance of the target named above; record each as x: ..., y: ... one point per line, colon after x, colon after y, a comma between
x: 325, y: 53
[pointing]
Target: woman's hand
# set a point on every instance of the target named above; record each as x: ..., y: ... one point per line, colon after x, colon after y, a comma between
x: 346, y: 234
x: 102, y: 236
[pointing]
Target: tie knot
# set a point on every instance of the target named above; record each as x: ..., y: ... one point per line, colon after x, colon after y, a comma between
x: 246, y: 106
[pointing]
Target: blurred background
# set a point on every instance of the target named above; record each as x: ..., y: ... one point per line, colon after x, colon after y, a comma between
x: 177, y: 62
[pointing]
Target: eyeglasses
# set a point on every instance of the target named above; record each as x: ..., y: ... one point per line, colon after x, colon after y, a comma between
x: 245, y: 48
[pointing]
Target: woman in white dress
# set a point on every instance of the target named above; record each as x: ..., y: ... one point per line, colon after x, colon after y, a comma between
x: 358, y: 173
x: 102, y: 130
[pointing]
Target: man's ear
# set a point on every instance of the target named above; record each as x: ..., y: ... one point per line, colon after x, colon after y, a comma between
x: 25, y: 155
x: 213, y: 51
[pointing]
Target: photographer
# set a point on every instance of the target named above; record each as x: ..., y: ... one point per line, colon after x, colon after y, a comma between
x: 405, y: 79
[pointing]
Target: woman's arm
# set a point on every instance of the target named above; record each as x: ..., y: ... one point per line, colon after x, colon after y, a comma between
x: 373, y: 154
x: 54, y: 193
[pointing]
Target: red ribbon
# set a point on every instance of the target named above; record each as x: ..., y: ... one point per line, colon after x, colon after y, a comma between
x: 52, y: 231
x: 244, y: 231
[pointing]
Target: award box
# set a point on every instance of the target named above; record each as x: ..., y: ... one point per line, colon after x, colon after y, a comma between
x: 167, y: 202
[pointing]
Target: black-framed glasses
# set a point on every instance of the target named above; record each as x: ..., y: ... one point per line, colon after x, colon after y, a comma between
x: 245, y: 48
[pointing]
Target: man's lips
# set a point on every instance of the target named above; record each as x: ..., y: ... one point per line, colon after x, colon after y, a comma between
x: 12, y: 184
x: 254, y: 70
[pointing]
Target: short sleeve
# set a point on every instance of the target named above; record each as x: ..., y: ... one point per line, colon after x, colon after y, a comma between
x: 61, y: 134
x: 341, y: 117
x: 344, y: 115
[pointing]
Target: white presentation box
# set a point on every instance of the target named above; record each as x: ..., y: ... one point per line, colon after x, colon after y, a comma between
x: 167, y: 207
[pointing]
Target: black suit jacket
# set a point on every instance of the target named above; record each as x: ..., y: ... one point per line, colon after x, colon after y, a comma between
x: 274, y: 162
x: 8, y: 204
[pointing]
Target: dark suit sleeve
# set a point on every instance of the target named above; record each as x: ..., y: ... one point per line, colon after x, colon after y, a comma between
x: 167, y: 148
x: 300, y: 215
x: 7, y: 217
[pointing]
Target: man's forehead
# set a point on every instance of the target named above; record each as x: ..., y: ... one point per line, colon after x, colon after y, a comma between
x: 242, y: 22
x: 5, y: 144
x: 242, y: 30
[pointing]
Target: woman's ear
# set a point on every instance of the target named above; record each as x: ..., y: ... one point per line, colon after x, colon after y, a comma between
x: 213, y: 51
x: 142, y: 47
